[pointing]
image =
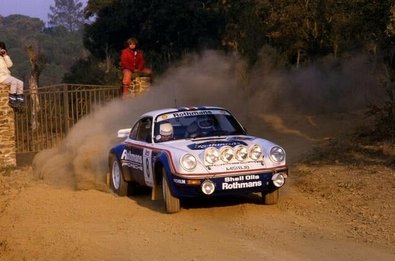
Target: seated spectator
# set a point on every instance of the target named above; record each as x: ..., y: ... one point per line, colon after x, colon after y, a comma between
x: 16, y: 86
x: 132, y: 64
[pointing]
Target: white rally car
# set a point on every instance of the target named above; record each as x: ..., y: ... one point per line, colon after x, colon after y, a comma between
x: 195, y: 152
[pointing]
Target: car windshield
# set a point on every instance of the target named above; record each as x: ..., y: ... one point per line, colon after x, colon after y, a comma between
x: 195, y: 124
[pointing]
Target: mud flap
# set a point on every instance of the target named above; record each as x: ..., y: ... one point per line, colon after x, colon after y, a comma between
x: 156, y: 192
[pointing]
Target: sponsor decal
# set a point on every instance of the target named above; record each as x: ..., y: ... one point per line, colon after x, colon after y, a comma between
x: 219, y: 144
x: 240, y: 182
x: 242, y: 138
x: 132, y: 160
x: 230, y: 168
x: 189, y: 113
x: 148, y: 177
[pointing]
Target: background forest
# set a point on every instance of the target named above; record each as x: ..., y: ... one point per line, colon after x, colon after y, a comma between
x: 82, y: 45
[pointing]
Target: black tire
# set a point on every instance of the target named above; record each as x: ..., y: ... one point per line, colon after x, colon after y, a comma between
x: 270, y: 198
x: 117, y: 183
x: 172, y: 204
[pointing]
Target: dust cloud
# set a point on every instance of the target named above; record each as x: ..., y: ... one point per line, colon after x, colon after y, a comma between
x: 210, y: 78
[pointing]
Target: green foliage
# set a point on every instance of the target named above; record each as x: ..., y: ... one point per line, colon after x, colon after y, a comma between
x: 67, y: 14
x: 58, y: 48
x: 391, y: 23
x: 301, y: 31
x: 166, y: 31
x: 240, y: 17
x: 92, y: 71
x: 384, y: 113
x: 17, y: 32
x: 318, y: 28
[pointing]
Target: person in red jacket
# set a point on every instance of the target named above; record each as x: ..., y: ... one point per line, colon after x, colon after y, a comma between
x: 132, y: 63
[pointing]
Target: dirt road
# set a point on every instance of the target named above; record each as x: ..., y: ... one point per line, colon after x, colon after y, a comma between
x: 330, y: 209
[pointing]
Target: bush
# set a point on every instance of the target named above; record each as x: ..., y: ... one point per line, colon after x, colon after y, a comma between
x: 384, y: 114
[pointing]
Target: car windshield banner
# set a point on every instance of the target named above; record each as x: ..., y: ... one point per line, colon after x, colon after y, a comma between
x: 184, y: 114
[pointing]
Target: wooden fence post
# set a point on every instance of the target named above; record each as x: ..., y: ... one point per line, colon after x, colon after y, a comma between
x: 7, y: 130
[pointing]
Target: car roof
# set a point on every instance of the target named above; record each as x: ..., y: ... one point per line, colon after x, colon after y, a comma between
x: 155, y: 113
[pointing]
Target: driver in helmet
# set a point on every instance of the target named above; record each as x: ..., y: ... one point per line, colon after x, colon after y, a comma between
x: 165, y: 132
x: 205, y: 124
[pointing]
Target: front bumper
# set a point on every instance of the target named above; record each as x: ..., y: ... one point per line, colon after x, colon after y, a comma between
x: 228, y: 185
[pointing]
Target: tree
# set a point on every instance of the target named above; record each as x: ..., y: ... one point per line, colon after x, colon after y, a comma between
x: 58, y: 48
x: 67, y: 13
x: 244, y: 30
x: 291, y: 28
x: 36, y: 68
x: 300, y: 31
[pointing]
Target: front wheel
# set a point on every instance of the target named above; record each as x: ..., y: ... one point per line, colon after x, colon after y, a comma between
x: 172, y: 203
x: 270, y: 198
x: 117, y: 184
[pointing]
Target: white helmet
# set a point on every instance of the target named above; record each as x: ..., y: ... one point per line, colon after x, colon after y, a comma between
x: 166, y: 131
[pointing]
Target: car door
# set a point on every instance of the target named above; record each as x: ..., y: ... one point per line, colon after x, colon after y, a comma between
x: 140, y: 138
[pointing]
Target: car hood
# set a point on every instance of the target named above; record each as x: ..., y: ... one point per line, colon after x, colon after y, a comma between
x: 197, y: 146
x: 200, y: 144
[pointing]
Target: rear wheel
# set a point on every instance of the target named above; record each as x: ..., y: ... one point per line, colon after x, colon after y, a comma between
x: 117, y: 184
x: 172, y: 203
x: 270, y: 198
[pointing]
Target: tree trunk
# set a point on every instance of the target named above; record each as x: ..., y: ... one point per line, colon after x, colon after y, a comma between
x: 298, y: 59
x: 33, y: 85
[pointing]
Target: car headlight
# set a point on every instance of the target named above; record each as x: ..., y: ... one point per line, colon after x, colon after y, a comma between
x: 241, y: 152
x: 188, y: 162
x: 226, y: 154
x: 208, y: 187
x: 255, y: 152
x: 211, y: 155
x: 278, y: 180
x: 277, y: 154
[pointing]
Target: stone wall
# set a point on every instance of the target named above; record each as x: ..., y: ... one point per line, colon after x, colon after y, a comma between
x: 7, y: 130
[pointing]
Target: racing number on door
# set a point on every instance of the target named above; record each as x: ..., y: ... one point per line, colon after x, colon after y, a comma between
x: 147, y: 167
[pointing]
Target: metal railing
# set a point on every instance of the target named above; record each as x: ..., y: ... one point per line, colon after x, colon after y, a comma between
x: 48, y: 114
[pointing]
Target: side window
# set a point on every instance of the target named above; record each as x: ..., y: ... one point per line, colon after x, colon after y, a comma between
x: 133, y: 132
x: 144, y: 130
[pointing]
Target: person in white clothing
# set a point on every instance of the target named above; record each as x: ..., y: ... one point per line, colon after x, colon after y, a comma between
x: 16, y: 86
